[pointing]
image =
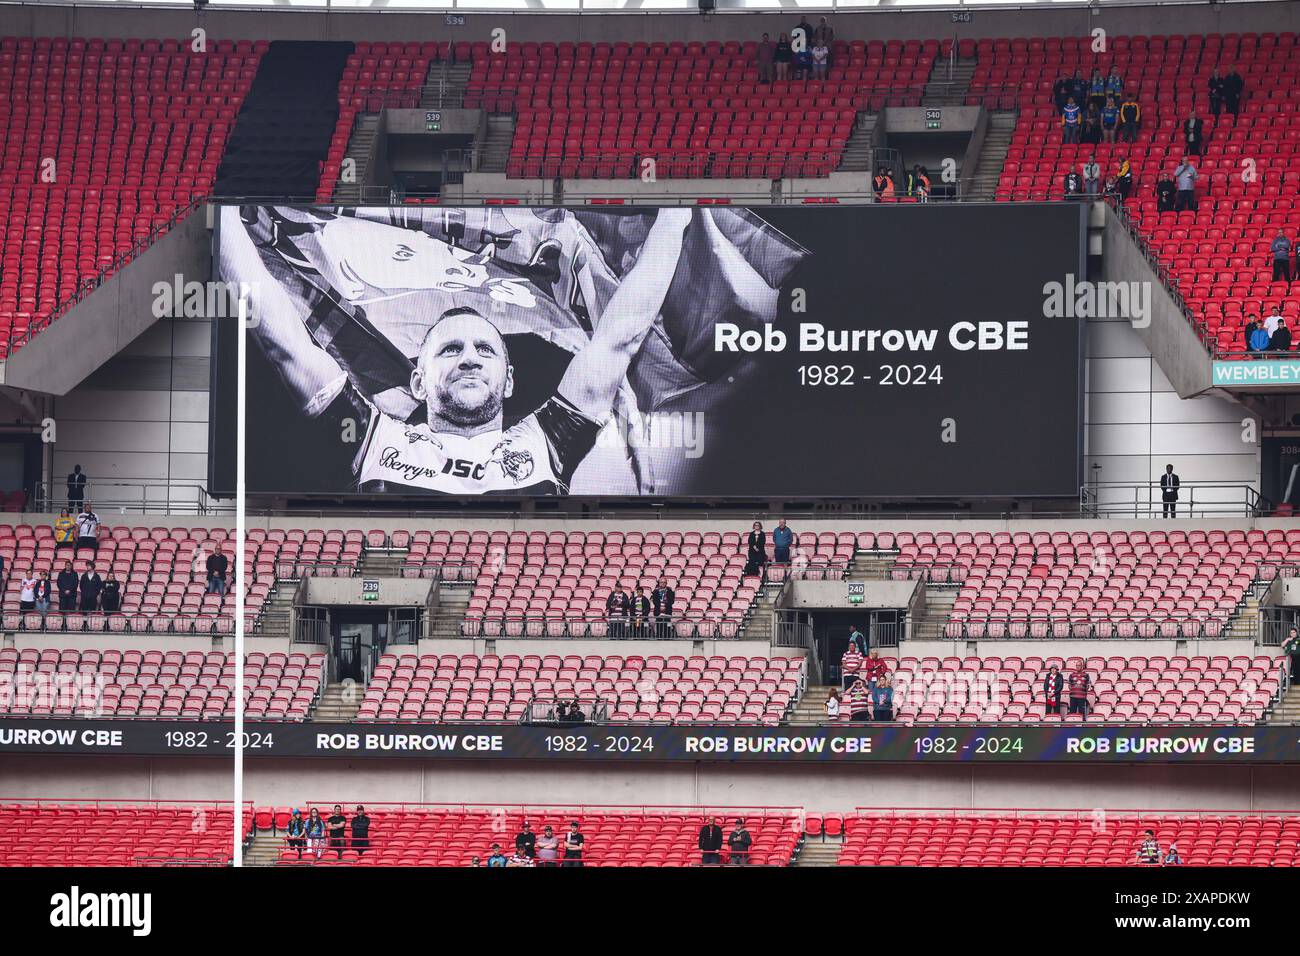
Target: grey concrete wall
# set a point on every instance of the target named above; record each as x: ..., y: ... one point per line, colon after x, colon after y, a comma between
x: 104, y: 323
x: 1061, y: 647
x: 835, y: 594
x: 347, y: 592
x: 1056, y: 19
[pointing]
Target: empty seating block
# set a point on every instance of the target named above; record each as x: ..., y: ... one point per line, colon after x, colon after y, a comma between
x: 172, y: 685
x: 1084, y: 838
x: 664, y: 690
x: 107, y: 834
x: 102, y: 142
x: 430, y: 836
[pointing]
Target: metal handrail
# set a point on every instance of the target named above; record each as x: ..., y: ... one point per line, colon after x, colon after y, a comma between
x: 1145, y: 500
x: 44, y: 499
x: 675, y: 628
x: 1075, y: 626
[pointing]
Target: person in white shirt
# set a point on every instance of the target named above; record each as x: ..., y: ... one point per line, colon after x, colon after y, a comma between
x: 833, y: 706
x: 27, y: 594
x: 1271, y: 323
x: 87, y: 530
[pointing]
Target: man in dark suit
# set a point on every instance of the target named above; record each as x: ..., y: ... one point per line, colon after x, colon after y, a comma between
x: 662, y: 598
x: 1169, y: 491
x: 1193, y: 134
x: 76, y: 488
x: 67, y: 584
x: 90, y: 585
x: 711, y: 843
x: 1232, y: 88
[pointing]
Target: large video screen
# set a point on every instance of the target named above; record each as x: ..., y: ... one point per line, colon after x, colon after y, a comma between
x: 701, y: 352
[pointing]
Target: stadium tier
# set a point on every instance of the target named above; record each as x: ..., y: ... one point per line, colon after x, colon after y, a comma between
x: 627, y: 836
x: 106, y: 833
x: 190, y: 685
x: 1046, y: 838
x: 102, y: 143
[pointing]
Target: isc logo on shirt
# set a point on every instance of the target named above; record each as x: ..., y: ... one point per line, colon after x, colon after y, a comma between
x: 462, y: 468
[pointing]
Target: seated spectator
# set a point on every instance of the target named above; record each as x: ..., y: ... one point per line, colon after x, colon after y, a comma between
x: 883, y: 185
x: 90, y: 584
x: 858, y: 700
x: 1165, y: 193
x: 833, y: 705
x: 1111, y: 189
x: 1281, y: 339
x: 1130, y: 119
x: 519, y: 860
x: 1071, y: 121
x: 820, y: 59
x: 65, y: 530
x: 1149, y: 853
x: 874, y: 668
x: 1073, y: 185
x: 782, y: 539
x: 766, y: 58
x: 1109, y: 120
x: 475, y: 861
x: 27, y: 592
x: 67, y: 584
x: 496, y: 857
x: 1172, y: 857
x: 783, y: 56
x: 87, y: 530
x: 882, y: 699
x: 850, y: 665
x: 1281, y: 248
x: 110, y: 599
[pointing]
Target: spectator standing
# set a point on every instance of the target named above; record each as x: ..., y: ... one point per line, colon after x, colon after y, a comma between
x: 825, y: 33
x: 1259, y: 338
x: 1165, y: 193
x: 833, y: 705
x: 710, y: 842
x: 1215, y: 84
x: 1281, y: 339
x: 76, y: 488
x: 1109, y: 120
x: 526, y: 841
x: 859, y: 701
x: 520, y: 860
x: 821, y: 54
x: 1130, y: 118
x: 782, y: 539
x: 1053, y: 684
x: 1114, y: 83
x: 1149, y: 853
x: 1193, y: 134
x: 1091, y: 177
x: 1091, y: 126
x: 766, y: 59
x: 90, y: 585
x: 640, y: 613
x: 110, y: 599
x: 617, y: 607
x: 27, y: 592
x: 874, y: 668
x: 574, y: 842
x: 1080, y: 684
x: 67, y: 583
x: 1247, y: 330
x: 882, y: 699
x: 757, y: 550
x: 1062, y: 90
x: 1124, y: 178
x: 1080, y: 90
x: 338, y: 829
x: 1185, y: 179
x: 548, y: 847
x: 315, y: 833
x: 662, y: 598
x: 782, y: 57
x: 803, y: 62
x: 1291, y: 647
x: 802, y: 30
x: 850, y: 665
x: 65, y: 530
x: 217, y: 564
x: 296, y: 832
x: 1097, y: 90
x: 858, y: 639
x: 87, y: 530
x: 43, y: 593
x: 739, y: 841
x: 1233, y: 88
x: 1281, y: 248
x: 496, y: 857
x: 361, y: 831
x: 1273, y: 320
x: 1169, y: 492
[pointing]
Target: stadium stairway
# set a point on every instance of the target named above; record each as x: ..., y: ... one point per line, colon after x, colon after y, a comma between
x: 276, y: 614
x: 453, y: 602
x: 857, y: 151
x: 1287, y: 710
x: 282, y: 135
x: 820, y: 851
x: 360, y: 148
x: 993, y: 155
x: 339, y: 703
x: 447, y: 88
x: 948, y: 86
x: 810, y: 709
x: 265, y: 849
x: 495, y: 149
x: 383, y: 562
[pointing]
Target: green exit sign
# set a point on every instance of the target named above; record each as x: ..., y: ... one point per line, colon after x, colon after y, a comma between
x: 370, y: 590
x: 857, y: 591
x: 933, y: 119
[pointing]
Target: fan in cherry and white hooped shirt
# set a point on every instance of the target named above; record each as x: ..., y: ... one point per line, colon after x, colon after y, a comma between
x: 850, y: 664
